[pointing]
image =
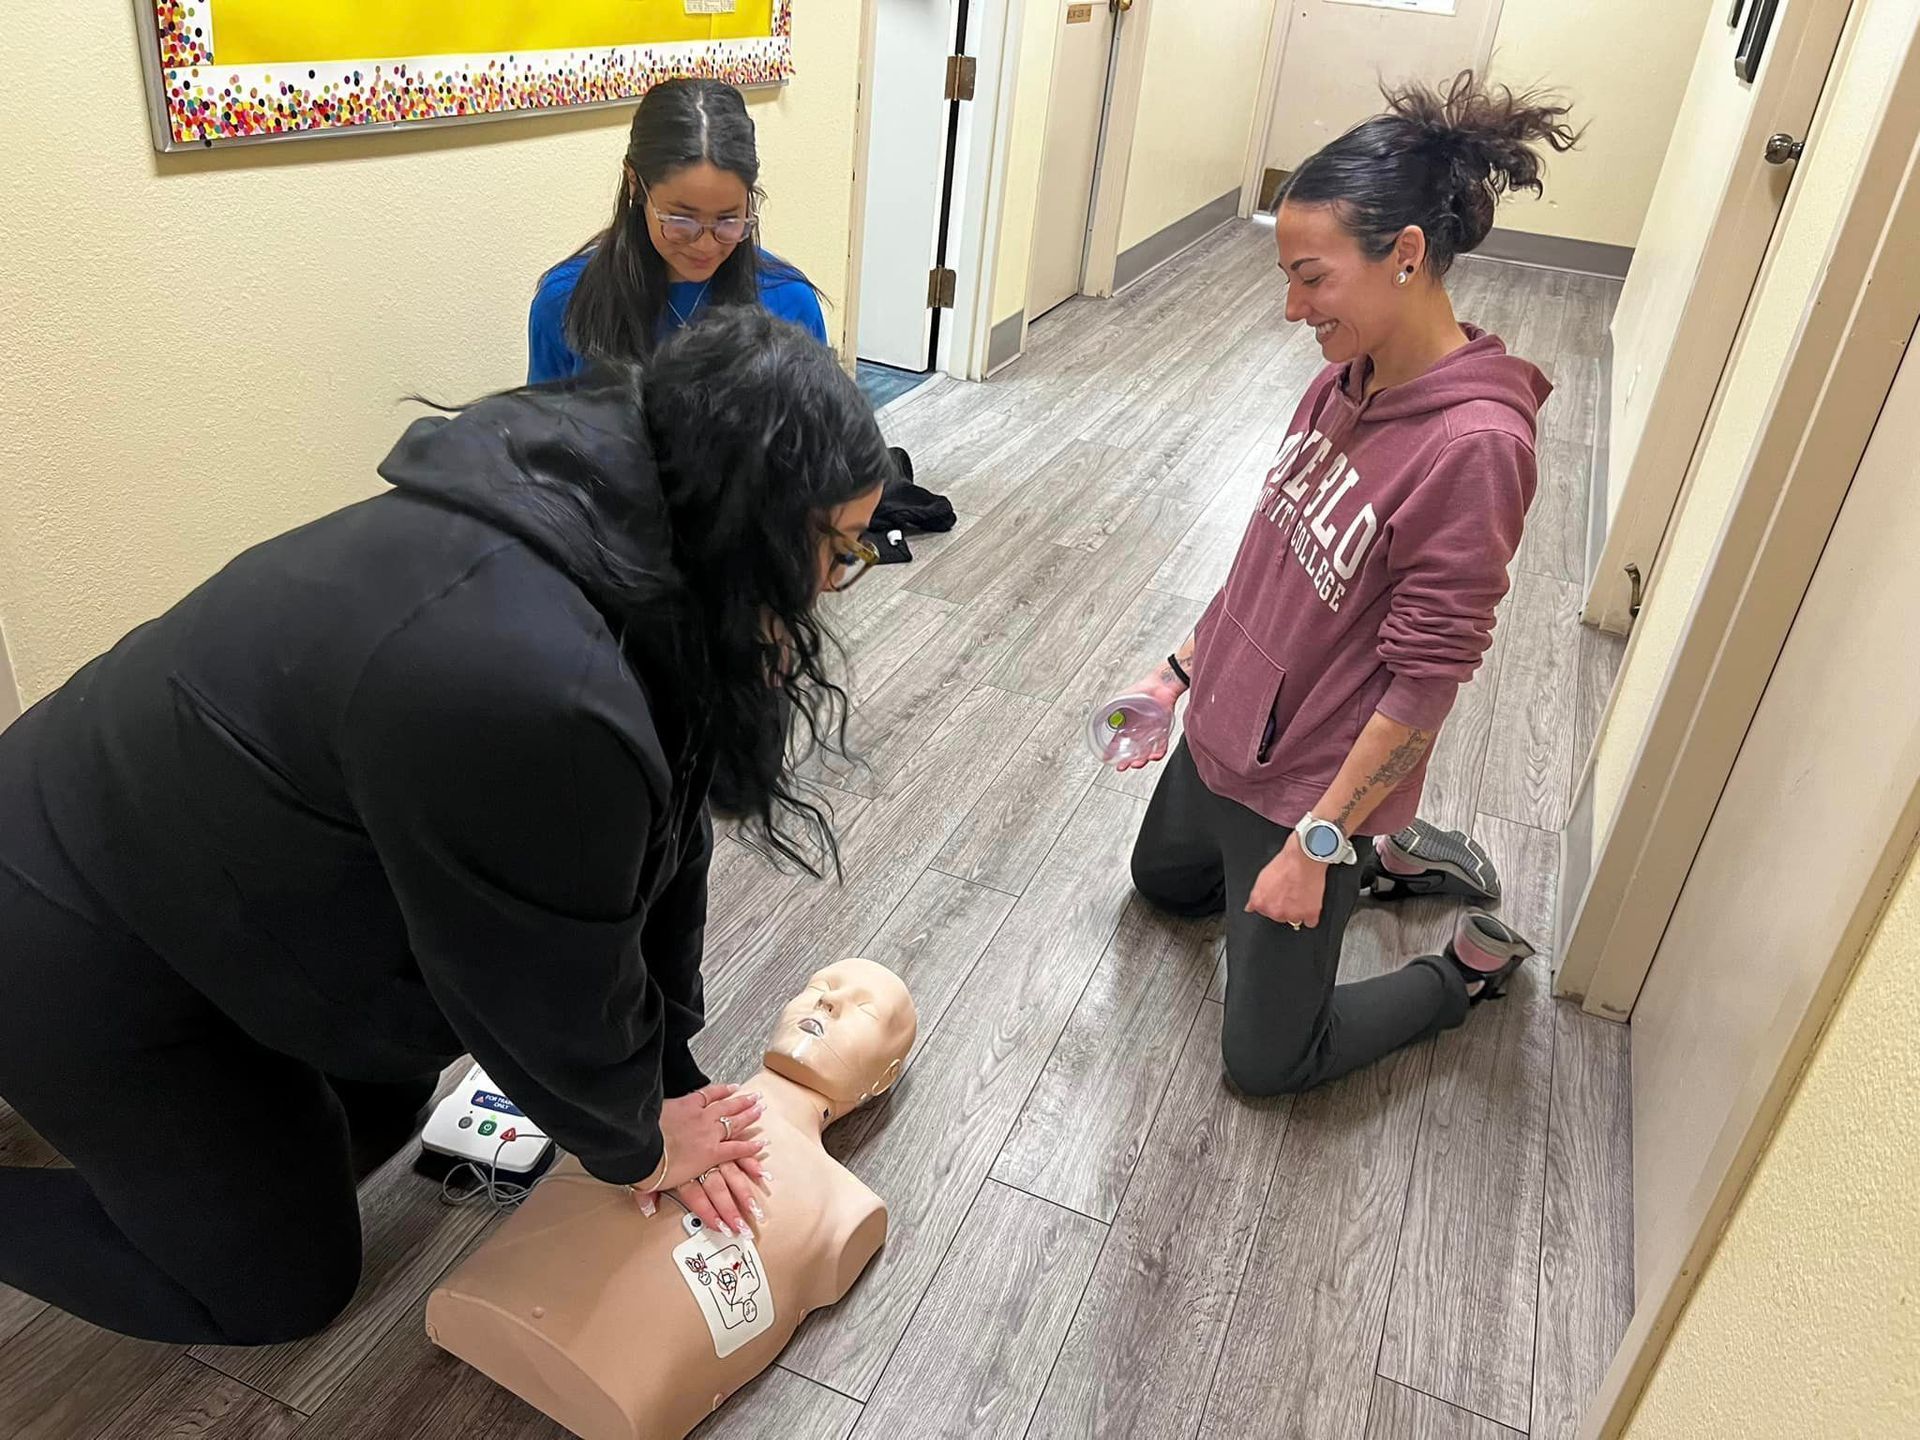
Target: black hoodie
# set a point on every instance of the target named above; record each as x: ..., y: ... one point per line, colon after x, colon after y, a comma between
x: 388, y: 788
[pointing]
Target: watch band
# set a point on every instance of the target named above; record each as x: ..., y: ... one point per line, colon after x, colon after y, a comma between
x: 1173, y: 663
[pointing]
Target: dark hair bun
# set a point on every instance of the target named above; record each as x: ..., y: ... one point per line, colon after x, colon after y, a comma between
x: 1484, y: 139
x: 1436, y: 159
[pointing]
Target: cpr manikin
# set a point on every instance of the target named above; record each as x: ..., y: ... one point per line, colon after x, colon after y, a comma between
x: 623, y: 1326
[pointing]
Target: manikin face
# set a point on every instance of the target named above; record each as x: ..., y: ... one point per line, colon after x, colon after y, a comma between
x: 847, y: 1034
x: 1353, y: 304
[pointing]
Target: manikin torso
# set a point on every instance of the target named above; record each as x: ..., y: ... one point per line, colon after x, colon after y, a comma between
x: 612, y: 1322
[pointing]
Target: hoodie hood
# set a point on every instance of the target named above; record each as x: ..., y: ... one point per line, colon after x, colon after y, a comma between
x: 1479, y: 370
x: 517, y: 460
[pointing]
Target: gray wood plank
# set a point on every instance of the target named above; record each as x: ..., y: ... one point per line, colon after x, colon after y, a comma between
x: 878, y: 641
x: 190, y: 1402
x: 1554, y: 543
x: 933, y: 941
x: 1529, y: 769
x: 927, y: 1151
x: 409, y: 1237
x: 1087, y: 1121
x: 63, y: 1379
x: 883, y: 853
x: 1197, y: 567
x: 1150, y: 1329
x: 1599, y: 667
x: 1077, y: 480
x: 1065, y: 633
x: 20, y: 1143
x: 843, y: 610
x: 410, y: 1386
x: 1016, y: 820
x: 1452, y: 795
x: 1305, y: 1337
x: 17, y: 1311
x: 1007, y: 834
x: 780, y: 1405
x: 1460, y: 1325
x: 973, y: 1361
x: 1586, y: 1240
x: 1403, y: 1414
x: 894, y: 722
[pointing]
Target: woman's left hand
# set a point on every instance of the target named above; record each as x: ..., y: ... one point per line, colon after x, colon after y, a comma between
x: 1290, y: 889
x: 725, y: 1196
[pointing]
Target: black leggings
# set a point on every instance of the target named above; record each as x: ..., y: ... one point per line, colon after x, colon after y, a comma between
x: 212, y: 1199
x: 1289, y: 1027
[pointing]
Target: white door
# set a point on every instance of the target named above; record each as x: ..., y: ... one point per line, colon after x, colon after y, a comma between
x: 1819, y: 784
x: 1338, y: 52
x: 1071, y: 151
x: 906, y: 179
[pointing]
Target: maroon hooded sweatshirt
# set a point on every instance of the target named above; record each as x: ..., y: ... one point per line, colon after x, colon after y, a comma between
x: 1367, y: 578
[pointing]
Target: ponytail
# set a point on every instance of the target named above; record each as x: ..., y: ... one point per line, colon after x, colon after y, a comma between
x: 1436, y: 159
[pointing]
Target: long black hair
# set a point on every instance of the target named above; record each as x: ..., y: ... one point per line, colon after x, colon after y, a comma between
x: 758, y: 435
x: 618, y: 302
x: 1438, y: 159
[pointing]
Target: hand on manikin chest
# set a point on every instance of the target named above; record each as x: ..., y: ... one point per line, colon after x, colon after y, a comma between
x: 634, y: 1327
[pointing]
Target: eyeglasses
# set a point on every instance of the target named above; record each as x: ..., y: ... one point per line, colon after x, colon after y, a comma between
x: 850, y: 564
x: 685, y: 230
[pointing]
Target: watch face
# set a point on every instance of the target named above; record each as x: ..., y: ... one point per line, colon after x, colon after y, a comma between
x: 1322, y: 841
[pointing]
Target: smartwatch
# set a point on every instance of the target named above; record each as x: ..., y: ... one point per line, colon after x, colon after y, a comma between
x: 1324, y: 841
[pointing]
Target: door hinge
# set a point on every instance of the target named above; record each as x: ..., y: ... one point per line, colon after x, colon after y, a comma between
x: 962, y: 70
x: 941, y: 284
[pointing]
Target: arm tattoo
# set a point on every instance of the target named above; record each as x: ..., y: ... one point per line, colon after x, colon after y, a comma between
x: 1395, y: 768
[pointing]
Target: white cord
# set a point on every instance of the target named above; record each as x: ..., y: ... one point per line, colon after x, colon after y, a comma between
x: 501, y: 1194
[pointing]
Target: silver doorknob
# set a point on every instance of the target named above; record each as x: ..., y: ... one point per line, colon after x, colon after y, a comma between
x: 1783, y: 149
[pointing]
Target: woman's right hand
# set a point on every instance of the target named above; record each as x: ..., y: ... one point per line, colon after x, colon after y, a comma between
x: 1164, y: 687
x: 705, y: 1130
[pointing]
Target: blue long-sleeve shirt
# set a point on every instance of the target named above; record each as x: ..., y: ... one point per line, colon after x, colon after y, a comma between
x: 783, y: 290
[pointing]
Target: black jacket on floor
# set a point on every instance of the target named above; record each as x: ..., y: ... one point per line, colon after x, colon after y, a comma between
x: 388, y: 788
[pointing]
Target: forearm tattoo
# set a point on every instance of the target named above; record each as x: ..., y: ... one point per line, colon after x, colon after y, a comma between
x: 1391, y: 771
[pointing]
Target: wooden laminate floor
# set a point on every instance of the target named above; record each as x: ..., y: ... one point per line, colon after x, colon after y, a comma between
x: 1091, y: 1236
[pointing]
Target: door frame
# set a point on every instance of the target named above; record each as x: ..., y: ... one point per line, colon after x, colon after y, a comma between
x: 979, y: 185
x: 1803, y: 51
x: 1854, y: 335
x: 1117, y: 126
x: 1275, y: 53
x: 981, y: 157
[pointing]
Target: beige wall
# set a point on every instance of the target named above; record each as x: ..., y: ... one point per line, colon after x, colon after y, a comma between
x: 197, y: 351
x: 1196, y: 109
x: 1878, y: 31
x: 1033, y: 84
x: 1806, y: 1321
x: 1624, y: 64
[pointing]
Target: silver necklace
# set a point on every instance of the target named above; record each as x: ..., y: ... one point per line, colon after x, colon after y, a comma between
x: 694, y: 309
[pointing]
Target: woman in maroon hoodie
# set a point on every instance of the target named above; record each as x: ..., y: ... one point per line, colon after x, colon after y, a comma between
x: 1361, y: 599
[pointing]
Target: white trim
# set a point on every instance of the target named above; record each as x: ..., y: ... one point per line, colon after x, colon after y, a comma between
x: 980, y: 187
x: 1255, y: 169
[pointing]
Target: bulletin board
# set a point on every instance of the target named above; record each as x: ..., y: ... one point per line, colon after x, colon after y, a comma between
x: 238, y: 71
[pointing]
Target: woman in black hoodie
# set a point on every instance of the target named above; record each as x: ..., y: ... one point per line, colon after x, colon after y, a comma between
x: 425, y: 777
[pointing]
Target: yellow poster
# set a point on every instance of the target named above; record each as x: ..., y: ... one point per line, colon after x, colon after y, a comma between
x: 259, y: 32
x: 236, y: 70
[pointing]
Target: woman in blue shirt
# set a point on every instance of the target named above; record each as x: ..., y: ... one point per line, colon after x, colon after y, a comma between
x: 681, y: 241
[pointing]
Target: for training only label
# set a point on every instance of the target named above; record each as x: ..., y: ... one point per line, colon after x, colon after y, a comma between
x: 729, y: 1284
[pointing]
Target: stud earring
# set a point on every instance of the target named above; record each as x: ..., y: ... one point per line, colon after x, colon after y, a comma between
x: 1404, y: 276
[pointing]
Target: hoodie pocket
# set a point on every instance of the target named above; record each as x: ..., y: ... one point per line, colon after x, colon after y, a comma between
x: 1237, y: 694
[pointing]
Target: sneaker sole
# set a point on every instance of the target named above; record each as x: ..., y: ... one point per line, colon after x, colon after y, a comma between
x: 1467, y: 870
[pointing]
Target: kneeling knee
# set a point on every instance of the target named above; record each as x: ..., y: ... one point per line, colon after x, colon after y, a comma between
x: 1261, y: 1071
x: 293, y: 1308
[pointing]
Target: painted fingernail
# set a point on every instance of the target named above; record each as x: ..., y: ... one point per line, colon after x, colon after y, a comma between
x: 647, y: 1207
x: 758, y: 1213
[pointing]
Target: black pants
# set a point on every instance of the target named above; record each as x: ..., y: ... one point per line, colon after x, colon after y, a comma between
x: 1289, y: 1027
x: 212, y: 1196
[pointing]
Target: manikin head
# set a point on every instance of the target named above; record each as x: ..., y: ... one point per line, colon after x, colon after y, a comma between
x: 846, y: 1036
